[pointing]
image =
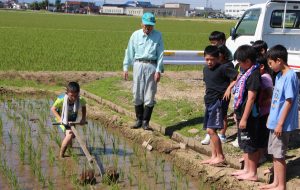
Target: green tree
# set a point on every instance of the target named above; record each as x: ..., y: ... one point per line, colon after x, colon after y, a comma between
x: 58, y: 4
x: 35, y: 6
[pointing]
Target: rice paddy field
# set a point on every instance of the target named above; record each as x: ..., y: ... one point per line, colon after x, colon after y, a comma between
x: 29, y: 154
x: 33, y: 41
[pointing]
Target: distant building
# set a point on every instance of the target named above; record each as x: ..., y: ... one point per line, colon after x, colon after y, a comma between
x: 236, y: 10
x: 138, y: 8
x: 1, y: 4
x: 113, y: 9
x: 80, y: 7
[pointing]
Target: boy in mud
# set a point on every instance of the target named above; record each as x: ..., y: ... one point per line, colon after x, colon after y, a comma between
x: 65, y: 109
x: 218, y: 39
x: 217, y: 78
x: 283, y: 117
x: 246, y: 93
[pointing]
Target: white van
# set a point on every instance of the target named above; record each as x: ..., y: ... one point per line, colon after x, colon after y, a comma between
x: 275, y: 22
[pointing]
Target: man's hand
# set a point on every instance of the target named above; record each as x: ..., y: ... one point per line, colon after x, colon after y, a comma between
x: 242, y: 124
x: 157, y: 77
x: 125, y: 75
x: 278, y: 130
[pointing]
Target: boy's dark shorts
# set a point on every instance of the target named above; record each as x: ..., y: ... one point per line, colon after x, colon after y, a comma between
x: 214, y: 114
x: 263, y: 132
x: 248, y: 137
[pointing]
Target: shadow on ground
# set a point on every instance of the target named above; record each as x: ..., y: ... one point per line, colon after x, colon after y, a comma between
x: 172, y: 128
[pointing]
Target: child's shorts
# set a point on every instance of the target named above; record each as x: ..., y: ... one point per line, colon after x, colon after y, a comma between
x: 248, y: 138
x: 214, y: 115
x: 277, y: 146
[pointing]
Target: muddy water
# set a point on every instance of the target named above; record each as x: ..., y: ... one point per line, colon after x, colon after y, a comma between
x: 29, y: 148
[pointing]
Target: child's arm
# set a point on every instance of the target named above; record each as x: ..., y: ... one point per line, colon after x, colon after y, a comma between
x: 286, y: 108
x: 53, y: 109
x: 228, y: 90
x: 248, y: 108
x: 83, y: 119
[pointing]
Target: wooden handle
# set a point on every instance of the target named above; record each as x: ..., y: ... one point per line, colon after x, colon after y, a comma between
x: 70, y: 123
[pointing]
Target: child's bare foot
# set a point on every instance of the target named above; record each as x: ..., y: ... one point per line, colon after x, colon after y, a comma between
x: 238, y: 172
x: 278, y: 188
x: 206, y: 161
x: 268, y: 186
x: 247, y: 176
x: 217, y: 161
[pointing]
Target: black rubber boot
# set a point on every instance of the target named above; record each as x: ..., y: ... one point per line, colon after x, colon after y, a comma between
x: 139, y: 111
x: 147, y: 116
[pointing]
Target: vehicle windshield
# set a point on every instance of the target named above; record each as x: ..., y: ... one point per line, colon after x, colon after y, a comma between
x: 248, y: 23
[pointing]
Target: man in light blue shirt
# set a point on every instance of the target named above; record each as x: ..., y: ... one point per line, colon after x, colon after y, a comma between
x: 145, y: 52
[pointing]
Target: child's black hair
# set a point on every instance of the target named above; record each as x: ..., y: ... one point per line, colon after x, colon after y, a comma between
x: 278, y: 51
x: 245, y: 52
x: 224, y: 51
x: 260, y: 45
x: 73, y: 87
x: 212, y: 51
x: 217, y: 35
x: 263, y: 61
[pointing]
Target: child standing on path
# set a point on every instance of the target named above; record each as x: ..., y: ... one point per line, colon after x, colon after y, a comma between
x: 246, y: 91
x: 217, y: 78
x: 65, y: 109
x: 265, y: 97
x: 218, y: 39
x: 283, y: 118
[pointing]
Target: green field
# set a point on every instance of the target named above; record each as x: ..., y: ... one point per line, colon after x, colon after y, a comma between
x: 49, y: 42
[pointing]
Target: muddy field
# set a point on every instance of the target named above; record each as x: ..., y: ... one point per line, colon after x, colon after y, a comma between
x: 187, y: 160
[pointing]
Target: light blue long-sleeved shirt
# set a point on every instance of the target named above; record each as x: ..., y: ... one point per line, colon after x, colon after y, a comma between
x: 143, y: 46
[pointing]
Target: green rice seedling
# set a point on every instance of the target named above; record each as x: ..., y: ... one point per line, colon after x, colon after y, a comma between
x: 131, y: 159
x: 115, y: 161
x: 140, y: 163
x: 102, y: 140
x: 121, y: 175
x: 51, y: 156
x: 174, y: 185
x: 50, y: 184
x: 130, y: 178
x: 135, y: 150
x: 10, y: 136
x: 57, y: 140
x: 41, y: 177
x: 115, y: 187
x: 1, y: 129
x: 187, y: 182
x: 40, y: 138
x: 63, y: 169
x: 75, y: 157
x: 84, y: 131
x: 162, y: 165
x: 156, y: 176
x: 114, y: 146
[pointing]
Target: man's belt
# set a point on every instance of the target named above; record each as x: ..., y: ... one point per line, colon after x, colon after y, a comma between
x: 147, y: 61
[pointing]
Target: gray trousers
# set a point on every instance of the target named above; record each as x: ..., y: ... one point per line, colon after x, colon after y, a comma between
x: 144, y: 86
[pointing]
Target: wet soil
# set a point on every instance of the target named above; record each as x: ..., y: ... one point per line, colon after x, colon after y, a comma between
x: 187, y: 160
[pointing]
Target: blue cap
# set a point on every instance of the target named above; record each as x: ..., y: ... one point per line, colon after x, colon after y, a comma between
x: 148, y: 19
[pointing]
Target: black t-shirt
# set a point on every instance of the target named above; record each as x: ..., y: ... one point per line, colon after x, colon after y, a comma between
x: 217, y: 80
x: 253, y: 84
